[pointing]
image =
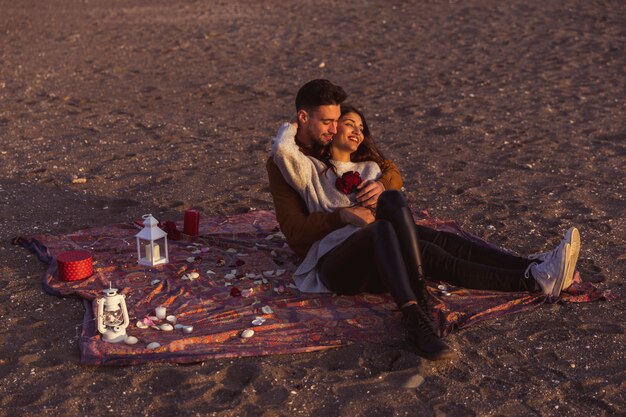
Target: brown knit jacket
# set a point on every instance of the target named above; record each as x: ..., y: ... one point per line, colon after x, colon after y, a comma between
x: 301, y: 228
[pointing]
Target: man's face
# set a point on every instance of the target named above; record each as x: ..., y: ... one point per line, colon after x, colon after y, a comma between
x: 318, y: 125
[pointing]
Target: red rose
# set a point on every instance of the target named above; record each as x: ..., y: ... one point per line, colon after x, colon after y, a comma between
x: 348, y: 182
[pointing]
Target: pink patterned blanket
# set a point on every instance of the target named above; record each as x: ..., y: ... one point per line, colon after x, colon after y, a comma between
x: 245, y: 270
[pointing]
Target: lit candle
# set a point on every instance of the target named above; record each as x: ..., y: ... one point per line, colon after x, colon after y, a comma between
x: 153, y: 255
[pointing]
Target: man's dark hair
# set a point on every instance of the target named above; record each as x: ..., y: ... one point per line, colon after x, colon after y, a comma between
x: 317, y: 93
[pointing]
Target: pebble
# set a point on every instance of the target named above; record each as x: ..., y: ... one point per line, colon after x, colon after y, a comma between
x: 178, y: 326
x: 248, y: 333
x: 142, y: 325
x: 153, y: 345
x: 258, y: 321
x: 166, y: 327
x: 131, y: 340
x: 191, y: 259
x: 442, y: 287
x: 155, y: 281
x: 187, y: 329
x: 194, y: 275
x: 171, y: 318
x: 267, y: 310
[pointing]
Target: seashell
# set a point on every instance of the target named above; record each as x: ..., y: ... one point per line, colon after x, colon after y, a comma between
x: 153, y: 345
x: 196, y: 252
x: 269, y: 237
x: 442, y: 287
x: 166, y: 327
x: 191, y: 259
x: 194, y: 275
x: 258, y: 282
x: 446, y: 293
x: 155, y: 281
x: 171, y: 318
x: 131, y: 340
x: 142, y: 325
x: 264, y: 281
x: 209, y: 272
x: 178, y: 326
x: 267, y: 310
x: 228, y: 284
x: 233, y: 271
x: 268, y: 273
x: 258, y: 321
x: 248, y: 333
x: 187, y: 329
x: 250, y: 275
x: 185, y: 277
x: 230, y: 276
x: 231, y: 250
x: 280, y: 272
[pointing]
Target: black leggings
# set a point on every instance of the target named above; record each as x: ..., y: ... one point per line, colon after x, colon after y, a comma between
x: 384, y: 256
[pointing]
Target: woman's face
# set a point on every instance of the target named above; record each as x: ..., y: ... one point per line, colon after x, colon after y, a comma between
x: 349, y: 133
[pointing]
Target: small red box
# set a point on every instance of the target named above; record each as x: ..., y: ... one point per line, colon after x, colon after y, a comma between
x: 75, y: 265
x: 191, y: 223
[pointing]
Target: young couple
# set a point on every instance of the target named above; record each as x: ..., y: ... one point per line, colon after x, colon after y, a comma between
x: 338, y: 205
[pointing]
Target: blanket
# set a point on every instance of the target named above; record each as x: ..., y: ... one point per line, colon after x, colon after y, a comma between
x: 244, y: 281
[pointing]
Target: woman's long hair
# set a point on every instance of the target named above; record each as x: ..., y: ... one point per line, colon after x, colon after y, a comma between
x: 367, y: 150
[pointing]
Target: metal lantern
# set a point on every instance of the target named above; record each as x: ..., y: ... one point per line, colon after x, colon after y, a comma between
x: 112, y: 316
x: 151, y: 243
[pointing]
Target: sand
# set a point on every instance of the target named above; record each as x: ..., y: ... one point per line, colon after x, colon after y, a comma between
x: 506, y: 116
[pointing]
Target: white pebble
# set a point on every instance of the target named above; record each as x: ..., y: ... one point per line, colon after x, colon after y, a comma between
x: 248, y: 333
x: 153, y: 345
x: 131, y: 340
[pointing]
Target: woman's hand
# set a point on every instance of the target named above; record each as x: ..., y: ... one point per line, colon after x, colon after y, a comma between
x: 368, y: 193
x: 356, y: 216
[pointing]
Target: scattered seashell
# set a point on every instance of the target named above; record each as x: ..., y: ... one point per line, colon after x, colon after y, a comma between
x: 230, y: 276
x: 267, y: 310
x: 131, y: 340
x: 231, y: 250
x: 248, y: 333
x: 187, y: 329
x: 178, y: 326
x: 155, y: 281
x: 280, y: 272
x: 268, y: 273
x: 228, y: 284
x: 209, y: 272
x: 185, y: 278
x: 166, y: 327
x: 264, y: 281
x: 142, y: 325
x: 250, y: 275
x: 194, y: 275
x: 153, y: 345
x: 191, y: 259
x: 442, y: 287
x: 258, y: 321
x: 258, y: 282
x: 171, y: 318
x: 269, y: 237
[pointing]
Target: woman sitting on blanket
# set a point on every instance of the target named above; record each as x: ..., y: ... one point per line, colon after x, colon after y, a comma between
x: 386, y: 255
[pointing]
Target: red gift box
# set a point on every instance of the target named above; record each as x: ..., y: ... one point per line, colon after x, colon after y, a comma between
x: 75, y: 265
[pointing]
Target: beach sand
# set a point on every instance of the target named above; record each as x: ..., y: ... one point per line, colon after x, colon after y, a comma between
x: 506, y: 116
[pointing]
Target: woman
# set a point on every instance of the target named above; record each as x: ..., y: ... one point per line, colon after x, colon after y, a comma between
x: 387, y: 254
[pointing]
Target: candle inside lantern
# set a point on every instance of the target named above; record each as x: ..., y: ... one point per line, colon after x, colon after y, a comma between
x: 154, y: 254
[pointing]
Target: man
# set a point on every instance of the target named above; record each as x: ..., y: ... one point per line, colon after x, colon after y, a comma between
x: 318, y: 111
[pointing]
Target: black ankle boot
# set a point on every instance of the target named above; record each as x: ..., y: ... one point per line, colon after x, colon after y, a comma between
x: 421, y: 294
x: 419, y: 331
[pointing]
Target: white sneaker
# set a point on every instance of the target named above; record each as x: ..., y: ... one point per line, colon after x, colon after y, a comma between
x: 572, y: 237
x: 551, y: 273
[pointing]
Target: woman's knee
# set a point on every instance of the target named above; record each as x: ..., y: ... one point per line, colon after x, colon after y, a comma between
x: 389, y: 201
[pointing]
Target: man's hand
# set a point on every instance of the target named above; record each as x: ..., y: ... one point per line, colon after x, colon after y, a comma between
x: 368, y: 193
x: 357, y: 216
